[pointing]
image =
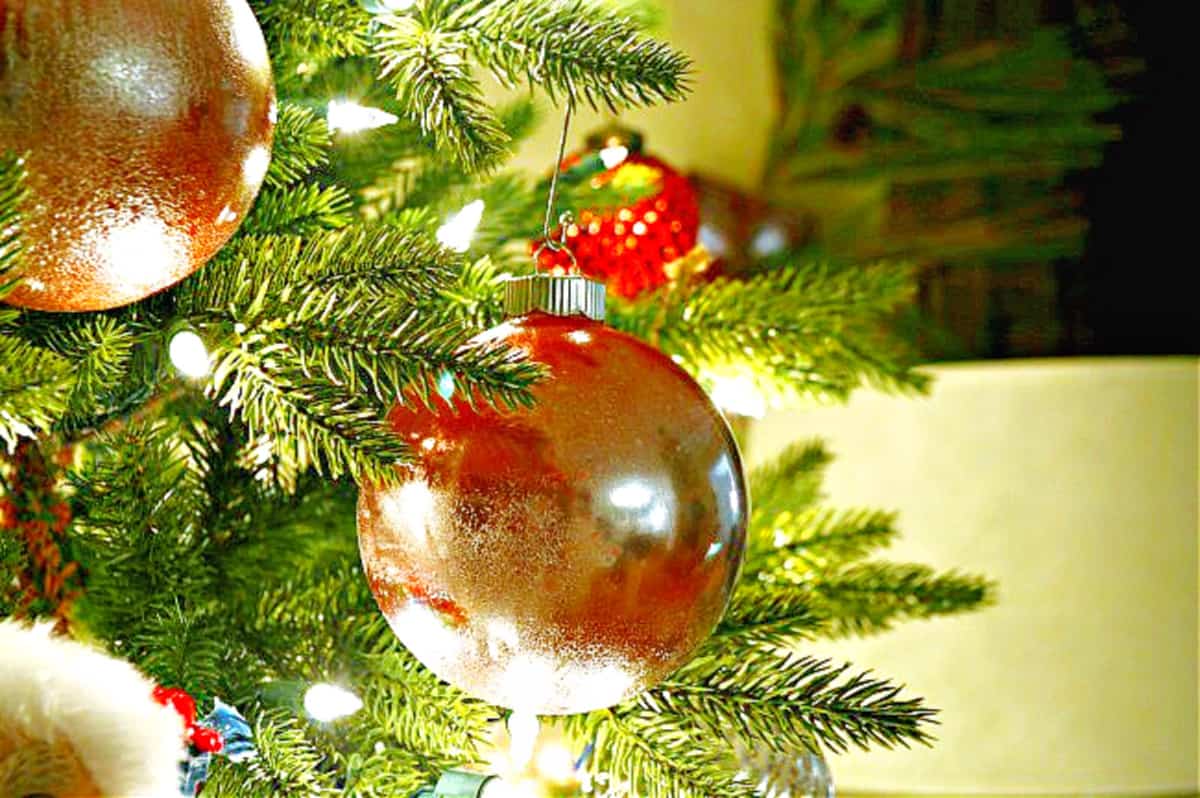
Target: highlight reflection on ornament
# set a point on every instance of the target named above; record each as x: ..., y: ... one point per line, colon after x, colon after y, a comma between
x: 561, y: 558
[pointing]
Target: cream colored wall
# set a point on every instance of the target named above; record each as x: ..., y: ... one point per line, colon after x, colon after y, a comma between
x: 722, y: 128
x: 1074, y: 484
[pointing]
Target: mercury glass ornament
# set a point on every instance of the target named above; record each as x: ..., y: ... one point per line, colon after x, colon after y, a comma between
x: 146, y: 127
x: 784, y: 776
x: 560, y: 558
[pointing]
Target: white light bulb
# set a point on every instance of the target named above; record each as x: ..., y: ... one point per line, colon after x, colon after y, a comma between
x: 613, y: 156
x: 347, y: 116
x: 738, y: 395
x: 189, y: 355
x: 769, y: 239
x: 556, y: 763
x: 328, y: 702
x: 499, y: 788
x: 523, y: 729
x: 459, y: 229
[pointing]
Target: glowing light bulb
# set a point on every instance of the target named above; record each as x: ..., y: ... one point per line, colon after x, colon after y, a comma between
x: 556, y: 763
x: 738, y: 395
x: 523, y: 729
x: 347, y: 116
x: 769, y: 239
x: 714, y: 240
x: 459, y: 229
x: 500, y: 788
x: 328, y: 702
x: 189, y: 355
x: 613, y: 156
x: 380, y: 6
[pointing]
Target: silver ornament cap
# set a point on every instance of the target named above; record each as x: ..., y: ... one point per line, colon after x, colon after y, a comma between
x: 556, y: 294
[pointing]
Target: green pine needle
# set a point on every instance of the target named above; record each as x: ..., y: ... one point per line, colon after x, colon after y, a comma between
x: 302, y: 144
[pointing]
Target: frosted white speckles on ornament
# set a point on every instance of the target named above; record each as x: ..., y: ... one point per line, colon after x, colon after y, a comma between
x: 140, y: 80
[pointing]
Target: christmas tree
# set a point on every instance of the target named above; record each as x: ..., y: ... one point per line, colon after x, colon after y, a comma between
x: 182, y: 471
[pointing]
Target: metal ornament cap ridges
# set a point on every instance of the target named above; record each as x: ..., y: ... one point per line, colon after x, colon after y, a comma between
x: 556, y: 294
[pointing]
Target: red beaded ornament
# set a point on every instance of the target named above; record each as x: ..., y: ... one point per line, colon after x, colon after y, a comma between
x: 631, y: 247
x: 146, y: 128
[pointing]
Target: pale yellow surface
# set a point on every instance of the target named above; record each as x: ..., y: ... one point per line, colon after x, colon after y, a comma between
x: 1074, y: 484
x: 722, y: 128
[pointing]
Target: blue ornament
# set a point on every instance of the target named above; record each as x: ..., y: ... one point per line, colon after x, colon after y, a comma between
x: 236, y: 734
x: 237, y: 745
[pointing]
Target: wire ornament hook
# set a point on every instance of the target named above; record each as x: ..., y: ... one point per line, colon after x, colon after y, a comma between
x: 566, y: 218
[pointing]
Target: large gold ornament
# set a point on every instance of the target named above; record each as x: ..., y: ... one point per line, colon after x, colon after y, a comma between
x: 146, y: 127
x: 561, y: 558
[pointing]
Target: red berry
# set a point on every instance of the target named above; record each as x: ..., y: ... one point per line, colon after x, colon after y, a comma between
x: 183, y: 703
x: 207, y: 740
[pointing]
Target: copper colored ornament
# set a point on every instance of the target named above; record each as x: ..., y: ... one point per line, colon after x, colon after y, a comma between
x: 147, y: 128
x: 637, y: 246
x: 561, y: 558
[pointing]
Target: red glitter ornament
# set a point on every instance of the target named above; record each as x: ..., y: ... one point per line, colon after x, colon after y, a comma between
x: 637, y: 246
x: 560, y: 558
x: 147, y: 129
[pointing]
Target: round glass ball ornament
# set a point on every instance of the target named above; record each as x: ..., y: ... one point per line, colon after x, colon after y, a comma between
x: 642, y: 229
x: 146, y: 128
x: 560, y: 558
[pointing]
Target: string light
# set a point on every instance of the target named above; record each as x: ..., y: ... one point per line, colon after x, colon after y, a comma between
x: 738, y: 395
x: 459, y: 229
x: 328, y: 702
x: 386, y: 6
x: 189, y: 355
x: 347, y: 116
x: 523, y: 729
x: 768, y: 239
x: 613, y: 156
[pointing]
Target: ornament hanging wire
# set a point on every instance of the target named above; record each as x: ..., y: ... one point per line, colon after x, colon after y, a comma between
x: 566, y: 218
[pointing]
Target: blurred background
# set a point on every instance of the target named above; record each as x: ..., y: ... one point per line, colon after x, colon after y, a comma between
x: 1018, y: 152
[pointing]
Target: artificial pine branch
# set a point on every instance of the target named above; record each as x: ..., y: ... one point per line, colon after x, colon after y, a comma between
x: 302, y: 34
x: 813, y: 538
x: 302, y: 210
x: 288, y: 764
x: 653, y: 755
x: 870, y: 598
x: 767, y: 615
x: 777, y: 699
x: 580, y: 51
x: 12, y: 194
x: 302, y: 144
x: 217, y: 557
x: 788, y: 484
x: 431, y: 72
x: 35, y: 389
x: 799, y: 330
